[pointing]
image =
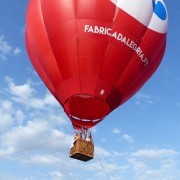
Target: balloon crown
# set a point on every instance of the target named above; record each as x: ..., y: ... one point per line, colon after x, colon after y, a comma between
x: 159, y: 9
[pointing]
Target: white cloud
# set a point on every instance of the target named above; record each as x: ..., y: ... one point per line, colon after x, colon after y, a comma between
x: 20, y: 116
x: 103, y: 140
x: 23, y: 91
x: 8, y: 176
x: 26, y: 94
x: 143, y: 96
x: 24, y: 125
x: 35, y: 133
x: 6, y: 121
x: 94, y: 130
x: 16, y: 51
x: 43, y: 159
x: 9, y: 115
x: 116, y: 131
x: 101, y: 152
x: 154, y: 153
x: 43, y: 135
x: 50, y: 100
x: 148, y: 164
x: 108, y: 167
x: 156, y: 169
x: 143, y: 99
x: 57, y: 175
x: 6, y: 49
x: 128, y: 138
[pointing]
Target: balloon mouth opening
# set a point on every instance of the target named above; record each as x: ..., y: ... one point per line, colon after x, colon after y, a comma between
x: 85, y: 120
x: 85, y: 110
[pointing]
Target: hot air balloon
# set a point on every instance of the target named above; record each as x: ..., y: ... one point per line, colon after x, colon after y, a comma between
x: 93, y: 55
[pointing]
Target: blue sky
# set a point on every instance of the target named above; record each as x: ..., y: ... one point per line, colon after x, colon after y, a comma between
x: 138, y: 141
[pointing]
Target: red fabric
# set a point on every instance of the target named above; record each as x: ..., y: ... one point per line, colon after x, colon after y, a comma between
x: 90, y: 74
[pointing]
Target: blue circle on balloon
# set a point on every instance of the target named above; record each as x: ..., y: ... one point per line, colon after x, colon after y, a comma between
x: 159, y: 9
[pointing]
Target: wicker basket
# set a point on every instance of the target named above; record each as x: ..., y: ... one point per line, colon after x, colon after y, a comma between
x: 82, y: 150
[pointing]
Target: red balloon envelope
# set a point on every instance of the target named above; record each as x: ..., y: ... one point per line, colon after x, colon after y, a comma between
x: 93, y: 55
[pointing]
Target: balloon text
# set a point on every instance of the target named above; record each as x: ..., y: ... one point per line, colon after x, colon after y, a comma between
x: 118, y: 36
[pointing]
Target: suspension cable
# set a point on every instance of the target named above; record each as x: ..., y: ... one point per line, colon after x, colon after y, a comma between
x: 106, y: 173
x: 46, y: 143
x: 31, y: 148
